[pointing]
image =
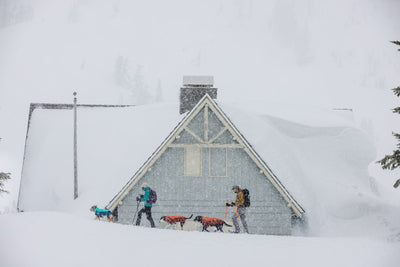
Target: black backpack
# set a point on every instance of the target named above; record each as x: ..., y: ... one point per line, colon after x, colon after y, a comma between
x: 153, y: 197
x: 246, y: 194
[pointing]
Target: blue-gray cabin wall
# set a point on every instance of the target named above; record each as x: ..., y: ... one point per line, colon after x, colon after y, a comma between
x: 205, y: 195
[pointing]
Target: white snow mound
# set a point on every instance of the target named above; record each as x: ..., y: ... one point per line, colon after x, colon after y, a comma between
x: 44, y: 239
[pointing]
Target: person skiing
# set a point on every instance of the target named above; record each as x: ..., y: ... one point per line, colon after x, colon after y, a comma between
x: 147, y: 205
x: 241, y: 209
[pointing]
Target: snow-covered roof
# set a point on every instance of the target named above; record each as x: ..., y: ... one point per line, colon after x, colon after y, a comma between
x: 113, y: 142
x: 318, y: 155
x: 198, y: 80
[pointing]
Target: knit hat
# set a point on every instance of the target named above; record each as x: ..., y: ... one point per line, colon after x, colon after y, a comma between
x: 235, y: 187
x: 144, y: 185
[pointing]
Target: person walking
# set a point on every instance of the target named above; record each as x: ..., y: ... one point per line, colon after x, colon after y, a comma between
x: 241, y: 210
x: 147, y: 205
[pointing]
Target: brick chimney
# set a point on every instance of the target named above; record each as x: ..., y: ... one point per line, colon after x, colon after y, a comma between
x: 194, y: 88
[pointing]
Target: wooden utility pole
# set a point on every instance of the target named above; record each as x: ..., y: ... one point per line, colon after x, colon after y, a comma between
x: 75, y: 152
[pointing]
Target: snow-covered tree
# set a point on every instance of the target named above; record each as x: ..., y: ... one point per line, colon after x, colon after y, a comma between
x: 159, y: 94
x: 392, y: 162
x: 3, y: 177
x: 13, y: 12
x: 135, y: 89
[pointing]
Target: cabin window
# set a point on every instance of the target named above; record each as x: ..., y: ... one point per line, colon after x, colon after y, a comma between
x: 192, y: 161
x: 218, y: 162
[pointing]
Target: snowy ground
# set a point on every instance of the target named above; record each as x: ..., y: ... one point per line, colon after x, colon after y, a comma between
x: 59, y: 239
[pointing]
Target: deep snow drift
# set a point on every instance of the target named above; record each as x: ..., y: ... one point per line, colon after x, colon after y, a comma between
x: 44, y: 239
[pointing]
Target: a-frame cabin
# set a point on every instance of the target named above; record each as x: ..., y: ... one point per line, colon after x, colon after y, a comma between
x: 194, y: 169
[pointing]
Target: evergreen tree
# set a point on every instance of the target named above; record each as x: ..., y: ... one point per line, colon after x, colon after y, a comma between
x: 3, y: 177
x: 392, y: 162
x: 396, y: 42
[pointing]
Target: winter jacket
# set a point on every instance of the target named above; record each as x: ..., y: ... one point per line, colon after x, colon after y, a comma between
x: 240, y: 199
x: 146, y: 197
x: 100, y: 212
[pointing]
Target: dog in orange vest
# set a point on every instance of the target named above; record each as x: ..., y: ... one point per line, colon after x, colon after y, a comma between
x: 172, y: 220
x: 210, y: 221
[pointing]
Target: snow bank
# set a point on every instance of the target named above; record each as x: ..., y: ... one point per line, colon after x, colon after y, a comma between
x: 322, y: 158
x: 57, y: 239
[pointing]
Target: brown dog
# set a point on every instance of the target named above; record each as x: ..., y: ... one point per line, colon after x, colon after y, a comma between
x: 210, y: 221
x: 175, y: 219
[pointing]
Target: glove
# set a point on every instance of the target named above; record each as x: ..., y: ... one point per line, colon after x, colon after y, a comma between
x: 141, y: 196
x: 233, y: 204
x: 138, y: 199
x: 227, y: 204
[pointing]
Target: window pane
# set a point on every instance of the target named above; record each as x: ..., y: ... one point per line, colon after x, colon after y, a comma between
x: 192, y: 161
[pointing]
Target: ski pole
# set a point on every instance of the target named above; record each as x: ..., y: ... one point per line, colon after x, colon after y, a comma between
x: 137, y: 208
x: 234, y: 207
x: 226, y: 211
